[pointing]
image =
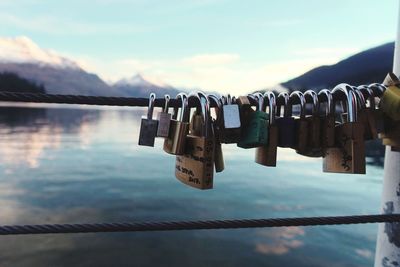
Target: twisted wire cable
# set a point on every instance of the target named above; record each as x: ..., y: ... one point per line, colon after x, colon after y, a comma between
x: 194, y: 225
x: 111, y: 101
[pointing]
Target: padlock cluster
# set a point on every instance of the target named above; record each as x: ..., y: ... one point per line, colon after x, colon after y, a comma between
x: 306, y: 122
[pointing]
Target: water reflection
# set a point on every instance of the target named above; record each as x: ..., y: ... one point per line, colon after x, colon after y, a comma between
x: 280, y: 241
x: 84, y: 165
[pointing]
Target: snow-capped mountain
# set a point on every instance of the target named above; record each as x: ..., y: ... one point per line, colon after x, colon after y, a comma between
x: 134, y: 81
x: 142, y: 87
x: 61, y: 75
x: 24, y: 50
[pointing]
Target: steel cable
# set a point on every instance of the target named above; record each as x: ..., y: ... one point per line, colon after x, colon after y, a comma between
x: 194, y: 225
x: 105, y: 100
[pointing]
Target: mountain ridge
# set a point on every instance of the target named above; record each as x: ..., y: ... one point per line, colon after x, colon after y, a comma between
x: 365, y: 67
x: 60, y: 75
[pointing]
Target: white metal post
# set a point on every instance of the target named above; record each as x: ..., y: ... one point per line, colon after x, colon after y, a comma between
x: 388, y: 241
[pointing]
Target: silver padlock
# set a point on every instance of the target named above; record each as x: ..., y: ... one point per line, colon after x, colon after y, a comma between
x: 231, y: 114
x: 148, y: 126
x: 230, y: 129
x: 164, y: 120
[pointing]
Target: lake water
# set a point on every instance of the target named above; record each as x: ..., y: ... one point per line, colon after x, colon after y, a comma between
x: 69, y: 165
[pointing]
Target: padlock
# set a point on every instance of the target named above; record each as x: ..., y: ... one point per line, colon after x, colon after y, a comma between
x: 196, y: 166
x: 230, y: 125
x: 266, y: 155
x: 175, y: 142
x: 218, y: 154
x: 374, y: 116
x: 314, y: 148
x: 327, y: 120
x: 148, y: 126
x: 164, y: 120
x: 245, y: 110
x: 390, y: 100
x: 286, y: 124
x: 301, y: 124
x: 362, y: 113
x: 255, y: 133
x: 377, y: 91
x: 348, y: 155
x: 196, y: 123
x: 390, y: 134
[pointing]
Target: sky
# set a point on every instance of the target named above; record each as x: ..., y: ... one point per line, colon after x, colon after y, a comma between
x: 227, y: 46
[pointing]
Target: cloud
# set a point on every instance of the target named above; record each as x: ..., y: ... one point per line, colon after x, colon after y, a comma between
x: 223, y: 72
x: 326, y: 52
x: 279, y: 241
x: 57, y: 26
x: 211, y: 59
x: 365, y: 253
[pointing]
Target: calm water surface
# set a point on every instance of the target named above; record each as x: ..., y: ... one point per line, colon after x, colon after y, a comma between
x: 68, y: 165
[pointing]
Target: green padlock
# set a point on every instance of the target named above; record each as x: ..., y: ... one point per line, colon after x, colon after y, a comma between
x: 255, y: 131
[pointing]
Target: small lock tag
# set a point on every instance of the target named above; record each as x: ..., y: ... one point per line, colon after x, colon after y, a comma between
x: 164, y: 120
x: 229, y: 124
x: 148, y: 126
x: 231, y: 114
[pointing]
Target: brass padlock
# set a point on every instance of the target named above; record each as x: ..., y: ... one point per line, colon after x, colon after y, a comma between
x: 348, y: 155
x: 175, y: 142
x: 327, y: 120
x: 218, y: 154
x: 390, y: 101
x: 301, y: 129
x: 266, y: 155
x: 196, y: 166
x: 314, y: 148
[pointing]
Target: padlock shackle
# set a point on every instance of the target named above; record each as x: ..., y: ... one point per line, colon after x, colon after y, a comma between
x: 259, y: 98
x: 360, y: 96
x: 377, y: 88
x: 351, y: 100
x: 270, y: 97
x: 184, y: 116
x: 330, y: 104
x: 150, y: 109
x: 217, y: 103
x: 287, y: 111
x: 204, y: 109
x: 166, y: 103
x: 312, y: 97
x: 299, y: 95
x: 228, y: 99
x: 369, y: 93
